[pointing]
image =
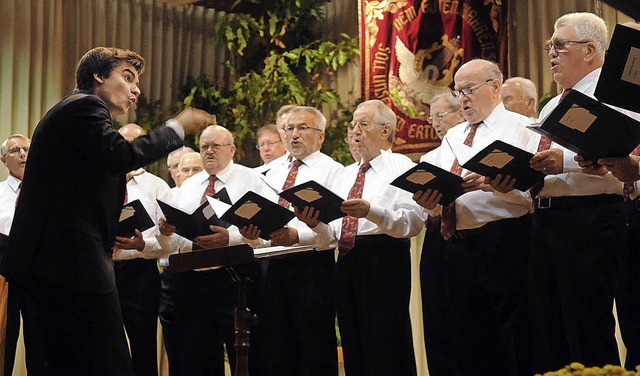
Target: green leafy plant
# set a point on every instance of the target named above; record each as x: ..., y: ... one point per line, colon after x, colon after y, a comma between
x: 274, y: 60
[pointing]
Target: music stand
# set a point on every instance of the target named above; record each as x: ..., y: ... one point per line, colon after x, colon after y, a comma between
x: 239, y: 261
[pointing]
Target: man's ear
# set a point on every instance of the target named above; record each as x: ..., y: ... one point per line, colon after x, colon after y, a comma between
x: 97, y: 77
x: 4, y: 160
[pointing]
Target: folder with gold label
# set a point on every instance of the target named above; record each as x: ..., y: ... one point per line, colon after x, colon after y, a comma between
x: 590, y: 128
x: 315, y: 195
x: 502, y: 158
x: 425, y: 176
x: 258, y: 211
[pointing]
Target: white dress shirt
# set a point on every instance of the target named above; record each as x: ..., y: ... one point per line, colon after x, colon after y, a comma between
x: 9, y: 190
x: 236, y: 179
x: 147, y: 188
x: 318, y: 167
x: 393, y: 212
x: 477, y: 208
x: 281, y: 160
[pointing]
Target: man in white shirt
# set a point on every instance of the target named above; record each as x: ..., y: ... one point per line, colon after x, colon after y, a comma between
x: 578, y: 223
x: 487, y: 235
x: 299, y: 319
x: 135, y: 266
x: 373, y: 272
x: 270, y: 146
x: 197, y: 307
x: 14, y: 152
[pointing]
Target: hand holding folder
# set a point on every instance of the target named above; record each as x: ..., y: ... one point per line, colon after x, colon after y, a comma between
x: 253, y: 209
x: 196, y: 223
x: 314, y: 195
x: 425, y: 176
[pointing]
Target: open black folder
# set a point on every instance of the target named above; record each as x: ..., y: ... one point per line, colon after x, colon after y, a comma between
x: 258, y: 211
x: 427, y: 176
x: 315, y: 195
x: 590, y: 128
x: 196, y: 223
x: 133, y: 216
x: 502, y: 158
x: 619, y: 82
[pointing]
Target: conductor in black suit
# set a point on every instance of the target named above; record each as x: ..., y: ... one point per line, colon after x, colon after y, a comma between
x: 61, y: 242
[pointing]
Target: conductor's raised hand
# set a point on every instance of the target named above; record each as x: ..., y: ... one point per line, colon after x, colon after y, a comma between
x: 428, y: 199
x: 308, y: 215
x: 192, y: 120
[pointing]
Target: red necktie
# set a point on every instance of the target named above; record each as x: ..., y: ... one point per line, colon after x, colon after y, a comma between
x: 545, y: 144
x: 448, y: 217
x: 349, y: 223
x: 291, y: 179
x: 628, y: 186
x: 211, y: 189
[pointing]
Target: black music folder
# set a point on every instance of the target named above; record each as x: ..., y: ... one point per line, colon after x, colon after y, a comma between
x: 258, y: 211
x: 196, y: 223
x: 230, y: 256
x: 427, y: 176
x: 590, y: 128
x: 619, y: 82
x: 133, y: 216
x: 315, y: 195
x: 4, y: 239
x: 502, y: 158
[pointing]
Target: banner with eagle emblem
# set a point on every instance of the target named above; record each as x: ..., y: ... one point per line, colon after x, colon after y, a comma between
x: 411, y: 49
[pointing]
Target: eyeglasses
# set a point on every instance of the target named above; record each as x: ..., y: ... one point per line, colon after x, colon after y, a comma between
x: 215, y: 147
x: 362, y: 124
x: 16, y: 150
x: 267, y: 144
x: 468, y: 90
x: 561, y: 45
x: 301, y: 129
x: 439, y: 116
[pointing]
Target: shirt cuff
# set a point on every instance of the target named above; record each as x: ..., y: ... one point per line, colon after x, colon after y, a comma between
x: 176, y: 126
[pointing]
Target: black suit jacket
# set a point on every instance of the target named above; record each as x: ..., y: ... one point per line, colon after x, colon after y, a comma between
x: 72, y: 193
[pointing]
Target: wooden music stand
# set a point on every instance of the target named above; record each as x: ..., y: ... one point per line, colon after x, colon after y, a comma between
x: 239, y: 260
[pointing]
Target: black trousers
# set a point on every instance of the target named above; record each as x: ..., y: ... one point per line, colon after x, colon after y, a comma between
x: 83, y: 333
x: 486, y: 275
x: 435, y: 305
x: 572, y: 274
x: 196, y: 312
x: 373, y: 291
x: 299, y: 316
x: 18, y: 303
x: 138, y: 285
x: 628, y: 287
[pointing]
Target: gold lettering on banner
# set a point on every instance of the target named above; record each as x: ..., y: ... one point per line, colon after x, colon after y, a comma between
x: 449, y: 7
x: 421, y: 132
x: 380, y: 87
x: 404, y: 17
x: 381, y: 58
x: 483, y: 32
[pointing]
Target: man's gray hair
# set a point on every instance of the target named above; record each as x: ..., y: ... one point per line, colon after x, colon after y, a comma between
x: 383, y: 116
x: 588, y: 27
x: 4, y: 151
x: 319, y: 120
x: 452, y: 102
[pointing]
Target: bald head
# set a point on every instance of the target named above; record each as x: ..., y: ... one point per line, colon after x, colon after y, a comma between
x: 131, y: 131
x: 190, y: 164
x: 520, y: 95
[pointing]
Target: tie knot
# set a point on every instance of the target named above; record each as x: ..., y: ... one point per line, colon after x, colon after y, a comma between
x: 564, y: 94
x: 212, y: 179
x: 296, y: 163
x: 365, y: 166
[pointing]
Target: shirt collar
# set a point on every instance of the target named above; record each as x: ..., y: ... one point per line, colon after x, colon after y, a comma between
x: 310, y: 159
x: 138, y: 178
x: 378, y: 162
x: 223, y: 174
x: 493, y: 117
x: 13, y: 183
x: 587, y: 81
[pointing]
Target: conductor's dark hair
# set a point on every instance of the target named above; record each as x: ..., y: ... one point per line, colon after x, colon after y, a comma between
x: 102, y: 61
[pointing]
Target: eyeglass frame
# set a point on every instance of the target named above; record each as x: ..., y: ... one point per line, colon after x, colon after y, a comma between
x: 304, y: 129
x: 466, y: 91
x: 353, y: 124
x: 265, y: 144
x: 439, y: 116
x: 215, y: 147
x: 17, y: 149
x: 548, y: 45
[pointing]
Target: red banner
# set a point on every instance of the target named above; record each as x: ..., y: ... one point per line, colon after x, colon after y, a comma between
x: 411, y: 49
